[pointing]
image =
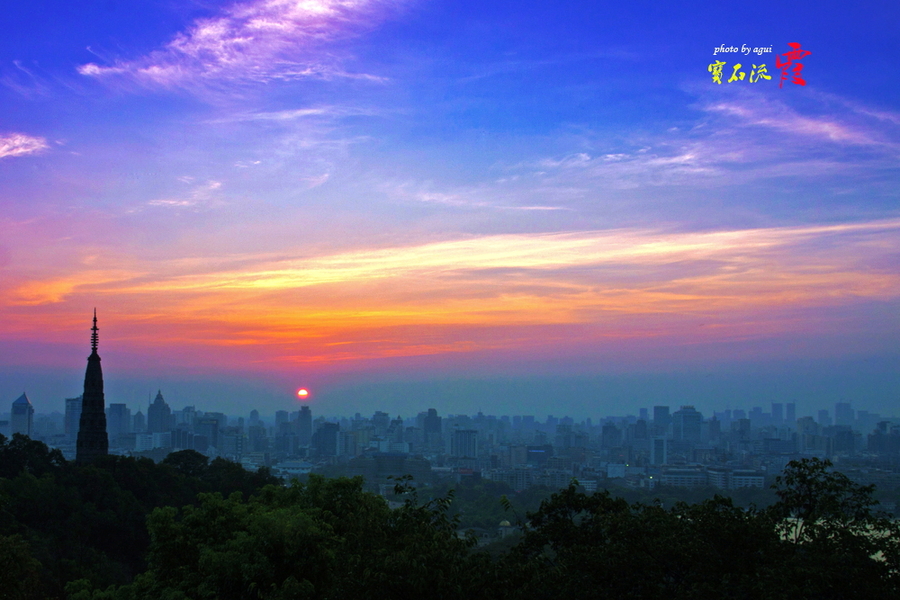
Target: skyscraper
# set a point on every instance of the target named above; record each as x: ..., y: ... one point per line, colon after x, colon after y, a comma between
x: 844, y: 414
x: 118, y: 421
x: 686, y: 424
x: 92, y: 440
x: 304, y: 426
x: 22, y: 416
x: 73, y: 418
x: 661, y: 420
x: 464, y: 443
x: 159, y: 415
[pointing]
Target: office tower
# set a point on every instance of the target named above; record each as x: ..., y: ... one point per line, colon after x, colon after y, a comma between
x: 326, y: 439
x: 92, y: 440
x: 139, y: 423
x: 208, y: 428
x: 432, y: 422
x: 659, y: 451
x: 22, y: 416
x: 159, y: 415
x: 304, y: 426
x: 282, y: 422
x: 72, y: 418
x: 118, y: 420
x: 686, y: 424
x: 844, y: 414
x: 790, y: 416
x: 661, y: 420
x: 464, y: 443
x: 777, y: 413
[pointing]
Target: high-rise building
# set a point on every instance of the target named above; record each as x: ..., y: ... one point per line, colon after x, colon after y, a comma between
x: 139, y: 423
x: 658, y: 451
x: 777, y: 413
x: 686, y: 424
x: 381, y: 421
x: 326, y: 439
x: 790, y: 416
x: 464, y: 443
x: 304, y: 426
x: 92, y: 439
x: 661, y: 420
x: 159, y: 415
x: 118, y: 421
x: 844, y: 414
x: 282, y: 422
x: 208, y: 428
x: 432, y: 422
x: 21, y: 419
x: 73, y: 418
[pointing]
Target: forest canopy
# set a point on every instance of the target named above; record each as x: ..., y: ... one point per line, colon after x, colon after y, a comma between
x: 189, y: 528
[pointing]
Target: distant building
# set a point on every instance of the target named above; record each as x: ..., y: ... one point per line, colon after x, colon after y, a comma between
x: 139, y: 423
x: 844, y: 414
x: 304, y: 426
x: 777, y: 413
x: 326, y: 439
x: 72, y: 418
x: 791, y: 413
x: 686, y: 424
x: 22, y: 416
x: 659, y: 448
x: 661, y: 420
x: 464, y: 443
x: 159, y: 415
x: 118, y: 421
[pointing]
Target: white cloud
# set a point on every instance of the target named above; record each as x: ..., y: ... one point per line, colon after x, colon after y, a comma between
x: 198, y: 195
x: 258, y: 41
x: 19, y: 144
x: 781, y: 117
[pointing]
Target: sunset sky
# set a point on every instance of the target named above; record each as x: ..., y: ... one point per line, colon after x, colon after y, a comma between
x: 520, y: 207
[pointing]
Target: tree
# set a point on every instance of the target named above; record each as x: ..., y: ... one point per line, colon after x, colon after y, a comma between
x: 576, y: 545
x: 839, y: 546
x: 23, y: 454
x: 20, y: 577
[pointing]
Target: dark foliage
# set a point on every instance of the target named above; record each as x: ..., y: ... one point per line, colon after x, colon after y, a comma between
x: 190, y: 528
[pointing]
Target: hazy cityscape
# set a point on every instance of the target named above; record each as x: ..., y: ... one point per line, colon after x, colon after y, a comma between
x: 661, y: 445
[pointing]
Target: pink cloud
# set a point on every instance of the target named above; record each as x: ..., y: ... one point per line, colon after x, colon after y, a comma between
x: 19, y: 144
x: 778, y: 116
x: 254, y: 41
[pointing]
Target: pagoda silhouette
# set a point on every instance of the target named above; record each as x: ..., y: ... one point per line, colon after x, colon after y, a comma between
x: 92, y: 438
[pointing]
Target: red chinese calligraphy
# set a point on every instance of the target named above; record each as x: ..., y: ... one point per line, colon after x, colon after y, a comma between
x: 791, y: 62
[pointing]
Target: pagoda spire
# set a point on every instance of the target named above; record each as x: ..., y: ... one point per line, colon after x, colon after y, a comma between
x: 92, y: 438
x: 95, y: 338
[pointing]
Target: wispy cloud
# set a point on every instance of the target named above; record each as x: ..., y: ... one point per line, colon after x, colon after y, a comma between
x: 777, y: 115
x: 19, y: 144
x: 471, y: 197
x: 512, y: 292
x: 738, y: 138
x: 259, y: 41
x: 198, y: 195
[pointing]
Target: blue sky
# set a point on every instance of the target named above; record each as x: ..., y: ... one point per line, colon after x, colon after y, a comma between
x: 345, y: 195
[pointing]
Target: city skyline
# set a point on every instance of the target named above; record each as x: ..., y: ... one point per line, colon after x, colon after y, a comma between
x: 411, y: 204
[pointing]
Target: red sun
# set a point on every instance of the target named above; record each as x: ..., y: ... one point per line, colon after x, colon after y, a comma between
x: 303, y: 393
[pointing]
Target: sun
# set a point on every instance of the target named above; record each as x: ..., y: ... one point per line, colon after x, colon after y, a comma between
x: 303, y: 393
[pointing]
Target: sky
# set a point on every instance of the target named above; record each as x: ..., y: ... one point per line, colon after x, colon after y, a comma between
x: 515, y: 207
